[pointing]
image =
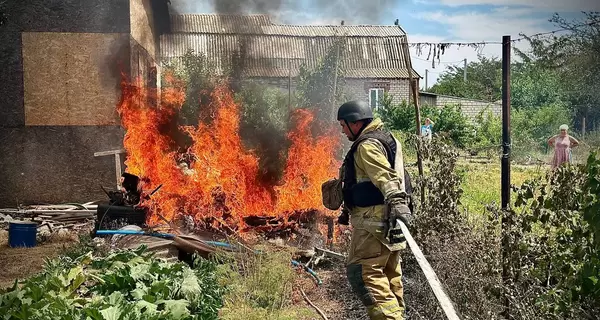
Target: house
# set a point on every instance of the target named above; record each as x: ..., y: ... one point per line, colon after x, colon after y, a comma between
x: 469, y: 107
x: 374, y: 60
x: 61, y: 72
x: 63, y: 61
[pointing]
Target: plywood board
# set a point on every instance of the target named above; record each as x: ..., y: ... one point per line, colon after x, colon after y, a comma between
x: 142, y: 27
x: 73, y: 78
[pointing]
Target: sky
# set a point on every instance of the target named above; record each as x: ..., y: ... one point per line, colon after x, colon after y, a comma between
x: 423, y: 20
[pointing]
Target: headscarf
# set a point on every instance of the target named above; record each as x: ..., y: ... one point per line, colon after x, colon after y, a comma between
x: 563, y: 127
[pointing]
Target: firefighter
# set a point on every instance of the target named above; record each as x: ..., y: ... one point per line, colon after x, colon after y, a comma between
x: 374, y: 196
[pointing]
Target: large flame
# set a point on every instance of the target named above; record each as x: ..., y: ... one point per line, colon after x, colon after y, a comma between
x: 221, y: 181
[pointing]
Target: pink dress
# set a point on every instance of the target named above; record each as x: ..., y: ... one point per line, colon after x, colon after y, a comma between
x: 562, y: 151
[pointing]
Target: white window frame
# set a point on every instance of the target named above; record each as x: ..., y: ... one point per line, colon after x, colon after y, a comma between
x: 379, y: 92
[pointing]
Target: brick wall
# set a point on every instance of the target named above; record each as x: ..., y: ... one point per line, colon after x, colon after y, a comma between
x: 470, y: 108
x: 399, y: 89
x: 354, y: 88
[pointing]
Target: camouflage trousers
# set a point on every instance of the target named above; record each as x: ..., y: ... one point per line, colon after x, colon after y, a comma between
x: 375, y: 276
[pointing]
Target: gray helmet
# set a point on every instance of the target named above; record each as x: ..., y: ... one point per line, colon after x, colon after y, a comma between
x: 355, y: 110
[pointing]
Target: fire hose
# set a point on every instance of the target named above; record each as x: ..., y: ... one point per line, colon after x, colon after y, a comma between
x: 430, y: 275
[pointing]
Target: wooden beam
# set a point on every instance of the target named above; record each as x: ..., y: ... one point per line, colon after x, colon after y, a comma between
x: 117, y: 154
x: 107, y: 153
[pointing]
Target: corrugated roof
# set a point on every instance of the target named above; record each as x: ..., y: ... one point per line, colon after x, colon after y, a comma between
x: 272, y: 50
x: 222, y: 23
x: 274, y: 56
x: 261, y: 24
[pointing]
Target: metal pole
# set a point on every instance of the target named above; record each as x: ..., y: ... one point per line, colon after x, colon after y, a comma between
x: 505, y: 121
x: 465, y: 70
x: 505, y: 178
x: 426, y: 76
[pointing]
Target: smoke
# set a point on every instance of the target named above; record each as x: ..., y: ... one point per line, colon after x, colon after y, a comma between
x: 246, y: 6
x: 297, y: 12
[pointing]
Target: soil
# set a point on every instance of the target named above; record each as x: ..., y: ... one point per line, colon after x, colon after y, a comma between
x: 334, y: 297
x: 20, y: 263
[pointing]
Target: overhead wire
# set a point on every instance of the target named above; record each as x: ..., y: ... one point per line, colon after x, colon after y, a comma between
x: 439, y: 62
x: 523, y: 37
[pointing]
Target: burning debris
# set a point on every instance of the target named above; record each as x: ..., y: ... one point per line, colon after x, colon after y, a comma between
x: 218, y: 184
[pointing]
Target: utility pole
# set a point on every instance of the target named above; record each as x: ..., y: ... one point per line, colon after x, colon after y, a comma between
x: 505, y: 173
x: 426, y: 76
x: 465, y: 70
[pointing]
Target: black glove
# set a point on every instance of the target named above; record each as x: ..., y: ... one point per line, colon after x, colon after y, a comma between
x: 397, y: 208
x: 344, y: 218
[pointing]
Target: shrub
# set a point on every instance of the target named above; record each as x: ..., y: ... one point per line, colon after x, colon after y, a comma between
x: 259, y: 287
x: 450, y: 122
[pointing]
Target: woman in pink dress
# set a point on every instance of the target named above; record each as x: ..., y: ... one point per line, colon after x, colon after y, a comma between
x: 562, y: 144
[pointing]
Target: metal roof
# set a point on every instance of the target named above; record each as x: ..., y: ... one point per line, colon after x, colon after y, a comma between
x: 261, y: 24
x: 222, y: 23
x: 276, y: 50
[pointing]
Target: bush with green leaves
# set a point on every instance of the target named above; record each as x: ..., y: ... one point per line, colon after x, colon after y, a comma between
x: 553, y: 236
x: 129, y: 284
x: 450, y: 122
x: 548, y: 242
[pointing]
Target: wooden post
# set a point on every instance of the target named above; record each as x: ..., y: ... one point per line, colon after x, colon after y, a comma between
x: 415, y: 95
x: 335, y: 76
x: 290, y: 84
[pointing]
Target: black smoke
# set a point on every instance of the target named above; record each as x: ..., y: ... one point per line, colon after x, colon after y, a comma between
x: 297, y: 12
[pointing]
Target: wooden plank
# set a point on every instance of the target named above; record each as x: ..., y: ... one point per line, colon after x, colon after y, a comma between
x: 432, y: 278
x: 118, y: 170
x: 108, y: 153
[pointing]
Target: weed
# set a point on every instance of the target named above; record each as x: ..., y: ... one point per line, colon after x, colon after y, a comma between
x: 259, y: 286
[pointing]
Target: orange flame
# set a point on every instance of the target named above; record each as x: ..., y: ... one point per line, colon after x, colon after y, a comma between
x: 222, y: 178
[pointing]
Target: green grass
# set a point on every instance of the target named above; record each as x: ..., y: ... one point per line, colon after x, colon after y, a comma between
x: 481, y: 183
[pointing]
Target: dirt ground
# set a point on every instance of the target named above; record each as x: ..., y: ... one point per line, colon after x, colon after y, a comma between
x: 334, y: 297
x: 19, y: 263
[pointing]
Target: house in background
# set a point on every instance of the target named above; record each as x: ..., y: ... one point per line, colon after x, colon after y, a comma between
x: 469, y: 107
x: 62, y: 63
x: 273, y: 53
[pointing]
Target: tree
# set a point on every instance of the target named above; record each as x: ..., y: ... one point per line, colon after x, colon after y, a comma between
x: 315, y: 88
x: 574, y: 56
x: 484, y: 80
x: 200, y: 76
x: 534, y: 86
